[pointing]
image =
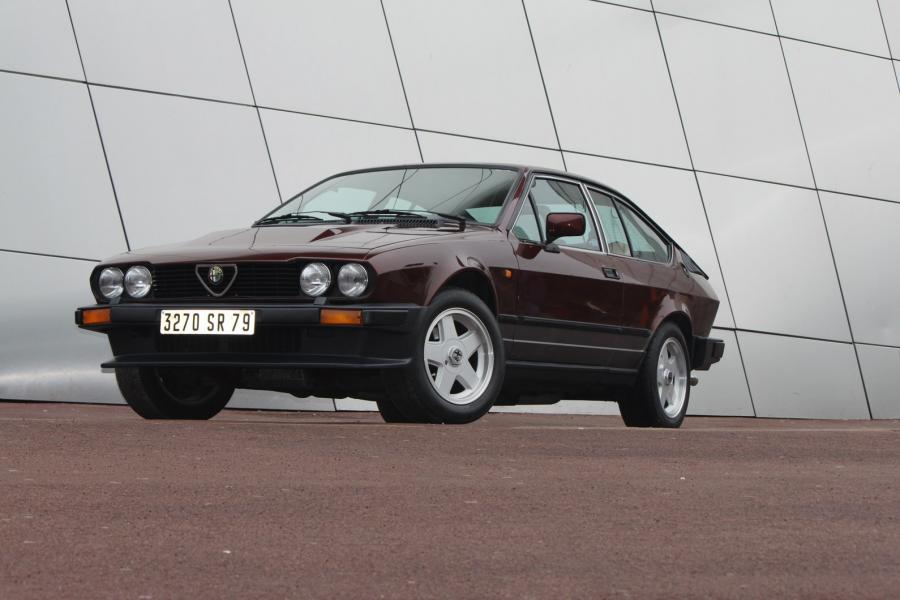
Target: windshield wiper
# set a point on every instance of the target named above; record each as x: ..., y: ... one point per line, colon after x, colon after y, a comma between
x: 411, y: 213
x: 301, y: 217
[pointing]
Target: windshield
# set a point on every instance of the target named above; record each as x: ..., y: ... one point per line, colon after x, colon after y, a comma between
x: 472, y: 193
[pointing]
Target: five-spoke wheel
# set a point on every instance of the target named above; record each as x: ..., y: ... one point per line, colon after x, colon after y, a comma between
x: 672, y: 377
x: 659, y: 397
x: 457, y: 372
x: 459, y: 356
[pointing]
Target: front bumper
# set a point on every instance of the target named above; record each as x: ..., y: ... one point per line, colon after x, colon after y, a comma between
x: 287, y: 336
x: 707, y: 352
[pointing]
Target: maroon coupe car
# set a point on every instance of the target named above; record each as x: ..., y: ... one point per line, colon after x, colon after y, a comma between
x: 437, y: 291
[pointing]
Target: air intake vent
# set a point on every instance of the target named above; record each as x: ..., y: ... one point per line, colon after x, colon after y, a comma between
x: 253, y: 280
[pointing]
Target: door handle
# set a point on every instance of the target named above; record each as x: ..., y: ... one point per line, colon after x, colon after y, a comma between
x: 610, y: 273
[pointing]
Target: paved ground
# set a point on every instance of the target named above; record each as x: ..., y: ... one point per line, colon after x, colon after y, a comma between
x: 96, y: 503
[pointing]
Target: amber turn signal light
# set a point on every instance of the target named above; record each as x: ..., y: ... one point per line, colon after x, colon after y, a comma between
x: 95, y: 316
x: 337, y: 316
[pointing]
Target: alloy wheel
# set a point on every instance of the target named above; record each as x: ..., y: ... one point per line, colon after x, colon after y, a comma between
x: 671, y: 377
x: 459, y: 356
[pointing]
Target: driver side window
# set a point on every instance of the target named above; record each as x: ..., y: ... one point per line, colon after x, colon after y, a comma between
x: 554, y: 196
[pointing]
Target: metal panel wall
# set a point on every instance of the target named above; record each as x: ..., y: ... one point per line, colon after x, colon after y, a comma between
x: 764, y: 134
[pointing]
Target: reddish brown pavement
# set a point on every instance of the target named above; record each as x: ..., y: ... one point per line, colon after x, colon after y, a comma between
x: 96, y: 503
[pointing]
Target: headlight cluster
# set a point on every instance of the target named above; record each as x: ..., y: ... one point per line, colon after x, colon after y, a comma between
x: 352, y: 279
x: 137, y: 282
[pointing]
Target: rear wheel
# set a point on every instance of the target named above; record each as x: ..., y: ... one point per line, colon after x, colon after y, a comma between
x: 458, y: 364
x: 660, y: 396
x: 174, y: 393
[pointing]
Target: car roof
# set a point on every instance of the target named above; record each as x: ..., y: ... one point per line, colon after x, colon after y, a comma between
x: 527, y: 170
x: 490, y: 165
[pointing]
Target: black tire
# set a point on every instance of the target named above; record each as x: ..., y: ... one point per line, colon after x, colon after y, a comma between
x: 174, y: 393
x: 391, y: 414
x: 641, y: 406
x: 412, y: 392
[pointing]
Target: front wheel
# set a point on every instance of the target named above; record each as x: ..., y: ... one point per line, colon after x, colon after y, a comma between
x: 660, y: 396
x: 391, y: 414
x: 174, y: 393
x: 458, y: 363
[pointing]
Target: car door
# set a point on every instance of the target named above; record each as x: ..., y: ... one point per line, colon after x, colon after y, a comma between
x: 643, y: 262
x: 569, y: 312
x: 651, y: 264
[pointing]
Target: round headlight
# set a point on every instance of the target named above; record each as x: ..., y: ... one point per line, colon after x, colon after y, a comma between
x: 352, y: 279
x: 315, y: 279
x: 138, y: 282
x: 110, y: 282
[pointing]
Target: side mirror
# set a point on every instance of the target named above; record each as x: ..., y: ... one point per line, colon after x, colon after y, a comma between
x: 563, y: 225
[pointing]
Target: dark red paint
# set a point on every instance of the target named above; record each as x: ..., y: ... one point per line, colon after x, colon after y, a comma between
x: 558, y: 306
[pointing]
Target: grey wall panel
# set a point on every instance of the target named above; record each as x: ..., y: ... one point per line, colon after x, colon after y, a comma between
x: 255, y: 399
x: 36, y: 37
x: 607, y: 81
x: 477, y: 91
x: 43, y: 356
x: 306, y: 149
x: 736, y: 101
x: 880, y: 366
x: 571, y: 407
x: 450, y: 148
x: 850, y: 106
x: 354, y: 404
x: 670, y: 197
x: 179, y: 46
x: 54, y: 187
x: 800, y: 378
x: 641, y: 4
x: 723, y: 389
x: 749, y: 14
x: 890, y: 12
x: 865, y: 235
x: 331, y: 58
x: 772, y: 242
x: 182, y: 167
x: 469, y: 68
x: 852, y: 24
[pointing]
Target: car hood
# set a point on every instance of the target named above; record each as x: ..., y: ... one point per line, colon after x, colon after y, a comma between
x: 285, y: 242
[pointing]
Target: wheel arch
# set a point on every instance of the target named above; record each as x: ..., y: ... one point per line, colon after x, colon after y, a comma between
x: 683, y: 322
x: 472, y: 280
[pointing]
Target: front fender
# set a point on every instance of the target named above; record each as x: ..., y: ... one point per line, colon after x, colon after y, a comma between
x: 417, y: 275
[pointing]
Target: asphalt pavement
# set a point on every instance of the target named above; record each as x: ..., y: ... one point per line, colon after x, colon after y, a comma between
x: 97, y: 503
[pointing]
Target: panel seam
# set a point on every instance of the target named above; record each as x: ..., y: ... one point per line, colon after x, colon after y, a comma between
x: 821, y: 211
x: 449, y: 134
x: 412, y: 122
x: 887, y: 39
x: 537, y: 60
x: 262, y: 128
x: 49, y: 255
x: 112, y: 182
x: 739, y: 28
x: 712, y: 237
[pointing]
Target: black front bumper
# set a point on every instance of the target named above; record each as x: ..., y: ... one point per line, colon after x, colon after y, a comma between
x: 286, y: 336
x: 707, y: 352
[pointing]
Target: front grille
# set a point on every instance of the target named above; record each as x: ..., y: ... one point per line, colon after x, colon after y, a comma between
x: 253, y: 280
x: 266, y: 340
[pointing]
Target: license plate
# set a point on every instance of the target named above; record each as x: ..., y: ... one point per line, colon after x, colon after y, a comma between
x: 207, y: 322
